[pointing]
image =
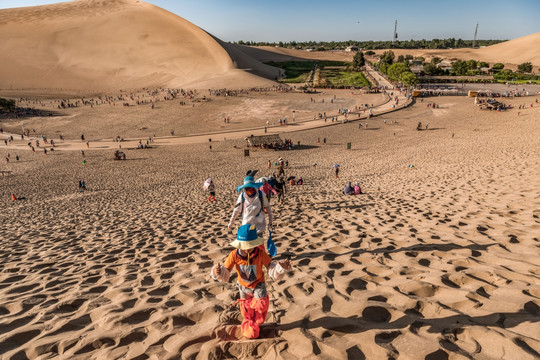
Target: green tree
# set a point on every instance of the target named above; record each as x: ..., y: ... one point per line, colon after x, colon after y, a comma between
x: 471, y: 64
x: 459, y: 67
x: 387, y: 57
x: 498, y: 66
x: 435, y: 60
x: 358, y: 60
x: 525, y: 67
x: 408, y: 78
x: 431, y: 69
x: 395, y: 71
x: 482, y: 64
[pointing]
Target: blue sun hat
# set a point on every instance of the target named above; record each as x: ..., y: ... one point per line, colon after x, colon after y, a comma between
x: 247, y: 238
x: 249, y: 182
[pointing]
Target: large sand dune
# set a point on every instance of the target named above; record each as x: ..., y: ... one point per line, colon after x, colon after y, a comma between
x: 517, y: 51
x: 94, y: 46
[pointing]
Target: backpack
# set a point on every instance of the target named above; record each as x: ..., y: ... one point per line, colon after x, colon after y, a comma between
x: 260, y: 194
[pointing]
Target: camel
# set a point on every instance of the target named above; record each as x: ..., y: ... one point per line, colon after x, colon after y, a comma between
x: 119, y: 155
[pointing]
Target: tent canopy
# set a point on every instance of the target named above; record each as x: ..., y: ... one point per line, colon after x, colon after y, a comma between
x: 264, y: 140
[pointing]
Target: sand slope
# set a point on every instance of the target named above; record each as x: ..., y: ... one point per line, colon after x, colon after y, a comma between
x: 93, y: 45
x: 517, y: 51
x: 436, y: 262
x: 513, y: 52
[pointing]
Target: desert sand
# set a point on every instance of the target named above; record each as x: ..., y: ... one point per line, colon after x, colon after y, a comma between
x: 438, y: 259
x: 434, y: 262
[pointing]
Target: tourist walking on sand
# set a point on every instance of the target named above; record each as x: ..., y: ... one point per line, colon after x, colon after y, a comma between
x: 248, y: 259
x: 280, y: 187
x: 267, y: 189
x: 210, y: 187
x: 252, y: 205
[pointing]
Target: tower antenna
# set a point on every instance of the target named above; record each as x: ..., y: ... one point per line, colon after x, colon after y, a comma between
x: 395, y: 33
x: 474, y: 39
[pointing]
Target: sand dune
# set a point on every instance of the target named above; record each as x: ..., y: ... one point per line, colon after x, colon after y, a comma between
x: 93, y: 46
x: 516, y: 51
x: 510, y: 53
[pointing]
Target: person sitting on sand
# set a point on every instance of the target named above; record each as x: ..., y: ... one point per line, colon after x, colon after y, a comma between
x: 357, y: 189
x: 349, y: 190
x: 300, y: 181
x: 250, y: 204
x: 15, y: 198
x: 248, y: 260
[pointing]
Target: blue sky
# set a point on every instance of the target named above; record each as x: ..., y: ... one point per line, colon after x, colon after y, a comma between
x: 301, y: 20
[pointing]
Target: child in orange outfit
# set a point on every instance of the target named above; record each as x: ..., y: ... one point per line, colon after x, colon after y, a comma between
x: 248, y: 260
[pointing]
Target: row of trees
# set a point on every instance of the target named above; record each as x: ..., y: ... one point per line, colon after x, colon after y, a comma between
x: 470, y: 68
x: 373, y: 45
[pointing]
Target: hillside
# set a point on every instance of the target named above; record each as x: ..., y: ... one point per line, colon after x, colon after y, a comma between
x: 98, y: 45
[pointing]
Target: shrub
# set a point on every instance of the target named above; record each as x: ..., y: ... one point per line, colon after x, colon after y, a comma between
x: 525, y: 67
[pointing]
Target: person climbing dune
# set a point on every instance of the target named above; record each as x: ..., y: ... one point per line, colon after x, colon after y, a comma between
x: 248, y: 259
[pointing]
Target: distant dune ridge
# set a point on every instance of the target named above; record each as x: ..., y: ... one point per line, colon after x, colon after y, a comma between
x: 94, y: 45
x: 517, y: 51
x: 511, y: 53
x: 105, y: 45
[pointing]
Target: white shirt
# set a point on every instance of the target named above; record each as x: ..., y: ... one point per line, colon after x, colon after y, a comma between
x: 252, y: 212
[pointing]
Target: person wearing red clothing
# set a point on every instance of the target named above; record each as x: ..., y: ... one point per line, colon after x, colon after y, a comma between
x: 267, y: 188
x: 248, y: 259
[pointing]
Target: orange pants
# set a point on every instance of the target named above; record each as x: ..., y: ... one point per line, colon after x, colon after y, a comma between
x: 254, y: 311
